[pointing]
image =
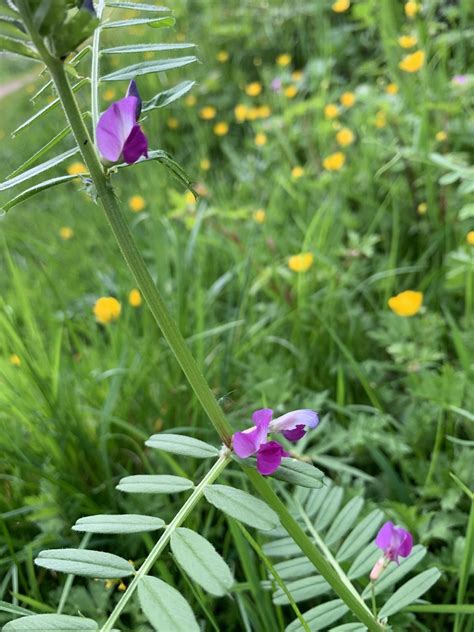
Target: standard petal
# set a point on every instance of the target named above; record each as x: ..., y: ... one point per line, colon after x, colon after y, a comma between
x: 385, y: 536
x: 406, y: 546
x: 115, y: 126
x: 296, y: 434
x: 269, y: 457
x: 245, y: 443
x: 289, y: 421
x: 135, y: 146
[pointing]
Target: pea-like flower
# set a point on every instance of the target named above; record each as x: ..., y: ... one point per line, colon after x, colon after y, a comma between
x: 292, y: 426
x: 119, y: 135
x: 394, y: 542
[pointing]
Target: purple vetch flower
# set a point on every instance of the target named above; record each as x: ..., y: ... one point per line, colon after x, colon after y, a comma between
x: 119, y: 135
x: 394, y: 542
x: 459, y: 80
x: 292, y: 425
x: 89, y: 6
x: 276, y: 84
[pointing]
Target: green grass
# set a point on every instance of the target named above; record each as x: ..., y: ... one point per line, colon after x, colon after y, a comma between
x: 395, y: 394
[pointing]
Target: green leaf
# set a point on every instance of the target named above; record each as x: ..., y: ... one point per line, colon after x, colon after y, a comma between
x: 164, y: 607
x: 299, y: 473
x: 162, y: 99
x: 120, y: 523
x: 321, y: 616
x: 315, y: 499
x: 146, y: 67
x: 292, y: 569
x: 410, y: 592
x: 136, y: 6
x: 283, y: 547
x: 154, y: 484
x: 18, y: 47
x: 6, y: 19
x: 51, y: 623
x: 359, y: 536
x: 10, y: 608
x: 156, y: 23
x: 344, y: 520
x: 200, y: 560
x: 49, y: 16
x: 37, y: 188
x: 364, y: 562
x: 302, y: 589
x: 349, y: 627
x: 144, y: 48
x: 85, y: 562
x: 394, y: 573
x: 31, y: 173
x: 328, y: 508
x: 77, y: 28
x: 242, y: 506
x: 181, y: 444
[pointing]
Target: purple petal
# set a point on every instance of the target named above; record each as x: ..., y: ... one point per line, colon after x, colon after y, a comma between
x: 132, y: 91
x: 88, y: 5
x: 249, y: 441
x: 296, y: 434
x: 269, y: 457
x: 407, y: 544
x: 135, y: 146
x: 115, y: 126
x: 385, y: 536
x: 289, y: 421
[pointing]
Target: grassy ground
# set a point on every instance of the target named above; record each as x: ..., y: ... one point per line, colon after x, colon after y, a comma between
x: 395, y: 393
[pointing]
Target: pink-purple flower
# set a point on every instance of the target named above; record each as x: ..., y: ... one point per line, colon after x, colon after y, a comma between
x: 119, y: 135
x: 394, y: 542
x: 254, y: 440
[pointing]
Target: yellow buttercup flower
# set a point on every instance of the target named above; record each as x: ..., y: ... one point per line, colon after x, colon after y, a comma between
x: 301, y: 262
x: 470, y: 238
x: 340, y: 6
x: 135, y: 298
x: 14, y: 359
x: 253, y: 89
x: 190, y: 100
x: 413, y: 62
x: 240, y: 112
x: 221, y: 128
x: 264, y: 111
x: 345, y: 137
x: 107, y: 309
x: 380, y: 120
x: 252, y: 114
x: 407, y: 41
x: 331, y: 111
x: 66, y: 233
x: 392, y: 88
x: 172, y: 122
x: 109, y: 94
x: 297, y: 75
x: 348, y: 99
x: 260, y: 216
x: 422, y: 208
x: 297, y: 172
x: 222, y: 56
x: 136, y: 203
x: 205, y: 164
x: 334, y: 162
x: 406, y: 303
x: 284, y: 59
x: 411, y: 9
x: 441, y: 136
x: 208, y: 113
x: 260, y: 139
x: 290, y: 91
x: 76, y: 169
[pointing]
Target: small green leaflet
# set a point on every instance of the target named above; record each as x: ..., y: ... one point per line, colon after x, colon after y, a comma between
x: 17, y: 47
x: 159, y: 23
x: 162, y: 99
x: 242, y: 506
x: 200, y: 560
x: 154, y: 484
x: 136, y: 6
x: 147, y: 67
x: 44, y: 166
x: 410, y: 592
x: 299, y: 473
x: 181, y: 444
x: 37, y: 188
x: 301, y: 590
x: 321, y: 616
x: 120, y: 523
x: 360, y: 535
x: 164, y: 607
x: 84, y: 562
x: 51, y: 623
x: 144, y: 48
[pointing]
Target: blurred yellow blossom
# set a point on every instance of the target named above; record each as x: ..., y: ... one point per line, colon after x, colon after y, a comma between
x: 334, y: 162
x: 172, y: 122
x: 406, y: 303
x: 109, y: 94
x: 180, y: 37
x: 135, y: 298
x: 422, y: 208
x: 340, y: 6
x: 148, y: 55
x: 284, y: 59
x: 441, y: 136
x: 65, y: 232
x: 122, y: 586
x: 345, y: 137
x: 297, y: 75
x: 189, y: 198
x: 208, y: 112
x: 380, y: 120
x: 470, y: 238
x: 301, y: 262
x: 413, y: 62
x: 222, y: 56
x: 14, y: 359
x: 331, y: 111
x: 407, y: 41
x: 221, y: 128
x: 348, y: 99
x: 253, y: 89
x: 136, y: 203
x: 190, y: 100
x: 205, y: 164
x: 240, y: 112
x: 290, y: 91
x: 260, y: 216
x: 264, y: 111
x: 411, y: 9
x: 76, y: 168
x: 107, y: 309
x: 260, y: 139
x: 297, y: 172
x: 392, y: 88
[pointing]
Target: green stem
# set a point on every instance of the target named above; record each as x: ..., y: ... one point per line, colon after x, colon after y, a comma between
x: 156, y: 551
x: 374, y: 602
x: 465, y: 566
x: 436, y: 449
